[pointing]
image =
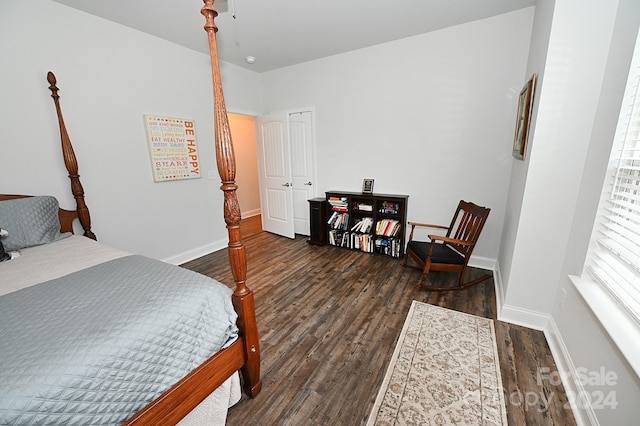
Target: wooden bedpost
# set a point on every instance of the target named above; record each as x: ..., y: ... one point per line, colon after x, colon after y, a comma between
x: 225, y: 158
x: 71, y: 163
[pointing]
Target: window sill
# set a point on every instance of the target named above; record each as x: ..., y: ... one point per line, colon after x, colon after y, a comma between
x: 623, y: 329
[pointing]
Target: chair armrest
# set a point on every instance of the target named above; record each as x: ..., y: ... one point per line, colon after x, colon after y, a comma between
x: 423, y: 225
x: 427, y: 225
x: 450, y: 240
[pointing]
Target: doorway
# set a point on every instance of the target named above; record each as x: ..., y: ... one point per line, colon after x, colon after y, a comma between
x: 243, y: 133
x: 286, y: 170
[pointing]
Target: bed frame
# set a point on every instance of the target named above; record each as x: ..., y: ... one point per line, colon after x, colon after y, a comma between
x: 244, y: 354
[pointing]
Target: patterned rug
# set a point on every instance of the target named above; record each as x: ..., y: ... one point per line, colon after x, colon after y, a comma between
x: 444, y: 371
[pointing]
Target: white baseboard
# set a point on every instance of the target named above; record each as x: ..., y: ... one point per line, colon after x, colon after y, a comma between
x: 523, y: 317
x: 514, y: 314
x: 251, y: 213
x: 497, y: 281
x: 582, y: 410
x: 195, y: 253
x: 482, y: 263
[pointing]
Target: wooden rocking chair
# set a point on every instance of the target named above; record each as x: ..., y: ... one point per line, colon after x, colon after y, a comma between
x: 452, y: 251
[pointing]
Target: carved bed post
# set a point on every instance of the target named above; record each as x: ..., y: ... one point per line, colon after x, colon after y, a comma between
x: 225, y: 158
x: 71, y: 163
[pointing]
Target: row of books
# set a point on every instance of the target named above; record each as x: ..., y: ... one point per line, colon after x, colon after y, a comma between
x: 366, y: 242
x: 388, y: 227
x: 338, y: 204
x: 363, y: 225
x: 363, y: 207
x: 388, y: 207
x: 339, y: 221
x: 391, y: 247
x: 385, y: 227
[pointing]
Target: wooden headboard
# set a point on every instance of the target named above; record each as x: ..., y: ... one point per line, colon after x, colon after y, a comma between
x: 66, y: 216
x: 82, y: 211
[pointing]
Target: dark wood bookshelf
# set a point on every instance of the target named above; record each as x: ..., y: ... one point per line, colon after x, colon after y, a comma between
x: 372, y: 223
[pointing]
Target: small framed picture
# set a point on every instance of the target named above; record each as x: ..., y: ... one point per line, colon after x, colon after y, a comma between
x: 367, y: 186
x: 525, y: 106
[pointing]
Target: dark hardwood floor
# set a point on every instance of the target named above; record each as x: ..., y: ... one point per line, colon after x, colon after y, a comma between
x: 329, y: 319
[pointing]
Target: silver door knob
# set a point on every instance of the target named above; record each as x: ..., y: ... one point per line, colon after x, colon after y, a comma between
x: 309, y: 183
x: 286, y: 184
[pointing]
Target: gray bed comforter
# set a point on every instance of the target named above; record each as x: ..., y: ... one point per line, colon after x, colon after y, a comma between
x: 97, y: 345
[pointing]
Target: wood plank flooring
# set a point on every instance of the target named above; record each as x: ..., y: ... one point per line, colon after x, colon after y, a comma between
x: 329, y: 319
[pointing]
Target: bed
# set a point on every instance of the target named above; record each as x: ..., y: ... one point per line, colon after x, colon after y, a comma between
x: 144, y: 342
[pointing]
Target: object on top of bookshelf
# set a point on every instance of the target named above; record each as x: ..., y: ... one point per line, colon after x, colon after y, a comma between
x: 367, y: 186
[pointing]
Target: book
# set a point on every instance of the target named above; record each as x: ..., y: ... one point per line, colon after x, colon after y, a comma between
x: 339, y: 220
x: 362, y: 206
x: 338, y: 203
x: 387, y: 227
x: 363, y: 225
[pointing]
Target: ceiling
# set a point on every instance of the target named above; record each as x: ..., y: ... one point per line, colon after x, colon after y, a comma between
x: 280, y: 33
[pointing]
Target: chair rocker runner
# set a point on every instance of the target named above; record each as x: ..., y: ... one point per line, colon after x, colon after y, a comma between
x: 450, y: 252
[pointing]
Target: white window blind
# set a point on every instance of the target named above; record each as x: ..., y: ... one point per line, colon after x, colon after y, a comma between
x: 615, y: 255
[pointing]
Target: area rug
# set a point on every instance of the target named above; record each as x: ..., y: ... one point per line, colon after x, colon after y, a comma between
x: 444, y: 371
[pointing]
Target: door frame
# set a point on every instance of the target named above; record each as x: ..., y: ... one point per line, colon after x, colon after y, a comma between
x: 314, y: 151
x: 293, y: 196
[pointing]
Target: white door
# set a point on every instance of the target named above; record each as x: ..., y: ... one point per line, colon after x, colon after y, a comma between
x: 302, y: 170
x: 274, y: 174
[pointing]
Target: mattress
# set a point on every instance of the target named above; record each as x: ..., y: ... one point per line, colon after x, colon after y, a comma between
x: 89, y: 341
x: 48, y: 261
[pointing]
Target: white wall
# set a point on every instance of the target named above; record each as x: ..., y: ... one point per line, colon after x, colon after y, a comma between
x: 554, y: 195
x: 109, y: 76
x: 444, y: 101
x: 431, y: 116
x: 578, y: 41
x: 537, y: 58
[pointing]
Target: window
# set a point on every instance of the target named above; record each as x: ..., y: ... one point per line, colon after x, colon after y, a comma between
x: 614, y: 259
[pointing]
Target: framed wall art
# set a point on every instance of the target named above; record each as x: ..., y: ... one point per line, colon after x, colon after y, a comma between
x: 523, y: 119
x: 172, y: 147
x: 367, y: 186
